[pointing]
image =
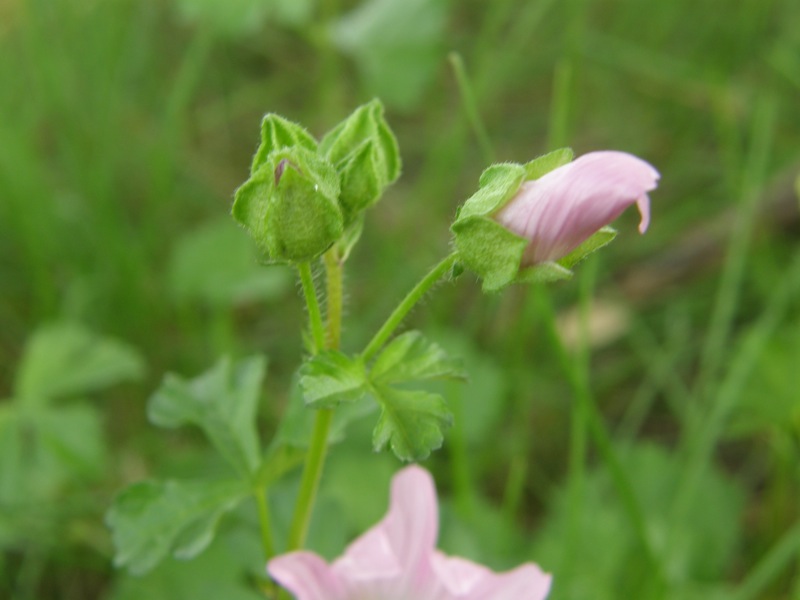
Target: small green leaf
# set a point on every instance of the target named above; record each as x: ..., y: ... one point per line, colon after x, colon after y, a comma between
x: 498, y: 184
x: 151, y: 519
x: 412, y: 422
x: 330, y: 378
x: 222, y: 402
x: 412, y: 357
x: 489, y: 250
x: 548, y: 162
x: 65, y: 359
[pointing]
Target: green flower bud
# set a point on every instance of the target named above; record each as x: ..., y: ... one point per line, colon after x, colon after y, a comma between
x: 365, y: 153
x: 290, y: 205
x: 278, y: 133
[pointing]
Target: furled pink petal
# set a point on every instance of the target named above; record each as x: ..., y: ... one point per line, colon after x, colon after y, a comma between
x: 465, y: 580
x: 396, y: 560
x: 306, y: 576
x: 400, y: 545
x: 564, y: 207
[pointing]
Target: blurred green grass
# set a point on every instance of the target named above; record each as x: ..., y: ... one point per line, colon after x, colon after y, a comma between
x: 127, y: 125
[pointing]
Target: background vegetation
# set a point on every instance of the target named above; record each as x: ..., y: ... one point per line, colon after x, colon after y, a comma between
x: 126, y: 125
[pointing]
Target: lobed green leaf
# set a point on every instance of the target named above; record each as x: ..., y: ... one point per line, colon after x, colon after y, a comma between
x: 222, y: 402
x: 151, y: 520
x: 331, y: 378
x: 412, y: 422
x: 412, y: 357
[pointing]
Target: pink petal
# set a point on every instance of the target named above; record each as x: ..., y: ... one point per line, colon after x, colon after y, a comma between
x: 393, y: 556
x: 560, y: 210
x: 307, y: 576
x: 412, y: 524
x: 465, y: 580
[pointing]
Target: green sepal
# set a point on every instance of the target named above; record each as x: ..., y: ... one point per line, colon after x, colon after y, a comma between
x: 489, y: 250
x: 350, y: 237
x: 545, y: 272
x: 497, y: 185
x: 278, y: 133
x: 290, y: 205
x: 548, y: 162
x: 412, y: 422
x: 366, y: 155
x: 550, y: 271
x: 600, y: 238
x: 331, y: 378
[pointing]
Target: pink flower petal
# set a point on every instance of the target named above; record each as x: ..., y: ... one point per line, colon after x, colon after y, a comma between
x: 396, y: 560
x: 394, y: 554
x: 306, y: 576
x: 564, y: 207
x: 465, y: 580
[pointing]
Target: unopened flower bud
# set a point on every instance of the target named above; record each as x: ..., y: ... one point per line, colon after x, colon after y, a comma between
x: 533, y: 222
x: 364, y: 151
x: 290, y: 205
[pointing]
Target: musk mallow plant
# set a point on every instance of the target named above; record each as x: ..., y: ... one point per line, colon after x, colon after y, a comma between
x: 304, y: 204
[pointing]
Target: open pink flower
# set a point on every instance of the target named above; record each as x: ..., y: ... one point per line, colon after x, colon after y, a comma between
x: 564, y: 207
x: 397, y: 560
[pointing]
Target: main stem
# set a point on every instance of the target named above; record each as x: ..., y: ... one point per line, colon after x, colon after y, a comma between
x: 411, y: 299
x: 330, y: 339
x: 297, y: 532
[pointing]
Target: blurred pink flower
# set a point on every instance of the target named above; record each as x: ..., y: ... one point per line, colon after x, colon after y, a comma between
x: 397, y: 560
x: 564, y: 207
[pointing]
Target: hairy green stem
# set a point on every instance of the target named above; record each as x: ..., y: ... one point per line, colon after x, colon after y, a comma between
x: 411, y: 299
x: 333, y: 272
x: 312, y: 303
x: 312, y: 473
x: 315, y: 459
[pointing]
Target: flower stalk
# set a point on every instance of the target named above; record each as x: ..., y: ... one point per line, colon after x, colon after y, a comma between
x: 406, y: 304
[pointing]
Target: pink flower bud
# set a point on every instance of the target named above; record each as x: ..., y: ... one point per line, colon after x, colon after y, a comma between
x: 564, y: 207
